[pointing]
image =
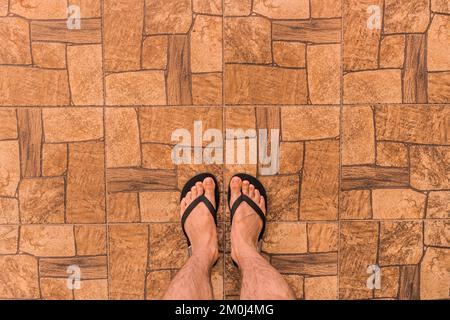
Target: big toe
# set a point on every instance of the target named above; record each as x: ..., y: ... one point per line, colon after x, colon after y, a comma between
x: 209, y: 186
x: 235, y: 188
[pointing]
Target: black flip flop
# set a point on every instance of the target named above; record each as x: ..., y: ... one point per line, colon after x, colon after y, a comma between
x: 243, y: 198
x: 202, y: 199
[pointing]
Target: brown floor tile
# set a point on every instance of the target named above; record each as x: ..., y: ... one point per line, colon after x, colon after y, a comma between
x: 55, y: 289
x: 47, y: 240
x: 400, y: 243
x: 122, y: 138
x: 437, y: 233
x: 283, y: 194
x: 128, y: 250
x: 406, y: 16
x: 237, y: 47
x: 275, y: 238
x: 355, y: 204
x: 85, y: 199
x: 358, y: 141
x: 25, y: 86
x: 136, y: 88
x: 159, y: 206
x: 84, y: 66
x: 282, y: 9
x: 323, y: 236
x: 123, y: 207
x: 72, y: 124
x: 9, y: 236
x: 296, y: 283
x: 92, y: 290
x: 15, y: 32
x: 157, y: 284
x: 320, y: 181
x: 123, y: 27
x: 206, y: 44
x: 95, y: 267
x: 9, y: 125
x: 434, y: 274
x: 430, y: 167
x: 9, y: 167
x: 358, y: 250
x: 86, y: 170
x: 90, y: 240
x: 317, y: 123
x: 9, y: 209
x: 321, y: 288
x: 438, y: 205
x: 172, y: 16
x: 168, y: 248
x: 398, y: 204
x: 324, y: 73
x: 252, y: 84
x: 54, y: 159
x: 42, y: 200
x: 237, y: 7
x: 154, y: 52
x: 19, y: 279
x: 389, y: 277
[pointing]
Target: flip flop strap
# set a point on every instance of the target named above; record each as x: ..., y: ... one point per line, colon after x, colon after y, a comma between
x: 192, y: 206
x: 251, y: 203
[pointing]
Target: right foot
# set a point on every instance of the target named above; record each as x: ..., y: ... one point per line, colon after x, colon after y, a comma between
x: 247, y: 224
x: 200, y: 226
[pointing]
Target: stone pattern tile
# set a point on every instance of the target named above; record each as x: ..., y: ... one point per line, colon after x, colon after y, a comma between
x: 52, y: 203
x: 394, y: 193
x: 395, y: 51
x: 282, y: 52
x: 86, y: 170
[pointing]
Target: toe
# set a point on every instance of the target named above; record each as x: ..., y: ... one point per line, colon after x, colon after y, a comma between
x: 257, y: 196
x: 199, y: 186
x: 183, y: 206
x: 245, y: 187
x: 262, y: 204
x: 235, y: 186
x: 251, y: 191
x: 188, y: 198
x: 194, y: 192
x: 209, y: 186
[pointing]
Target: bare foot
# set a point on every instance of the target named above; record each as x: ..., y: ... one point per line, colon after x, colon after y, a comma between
x: 246, y: 224
x: 200, y: 226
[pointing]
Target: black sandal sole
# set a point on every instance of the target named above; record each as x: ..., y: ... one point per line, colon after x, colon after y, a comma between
x: 202, y: 199
x: 242, y: 198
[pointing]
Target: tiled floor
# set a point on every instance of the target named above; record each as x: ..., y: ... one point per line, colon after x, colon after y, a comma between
x: 86, y: 176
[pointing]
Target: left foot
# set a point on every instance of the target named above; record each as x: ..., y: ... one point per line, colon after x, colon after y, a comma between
x: 200, y: 226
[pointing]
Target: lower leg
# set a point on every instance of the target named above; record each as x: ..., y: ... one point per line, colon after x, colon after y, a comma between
x: 193, y: 281
x: 261, y: 281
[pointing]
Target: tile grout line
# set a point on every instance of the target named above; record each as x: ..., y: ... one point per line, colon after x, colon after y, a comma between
x: 341, y: 110
x: 222, y: 194
x: 108, y: 268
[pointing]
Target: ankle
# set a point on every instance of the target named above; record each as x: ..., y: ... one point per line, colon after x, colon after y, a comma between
x: 205, y: 255
x: 244, y: 253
